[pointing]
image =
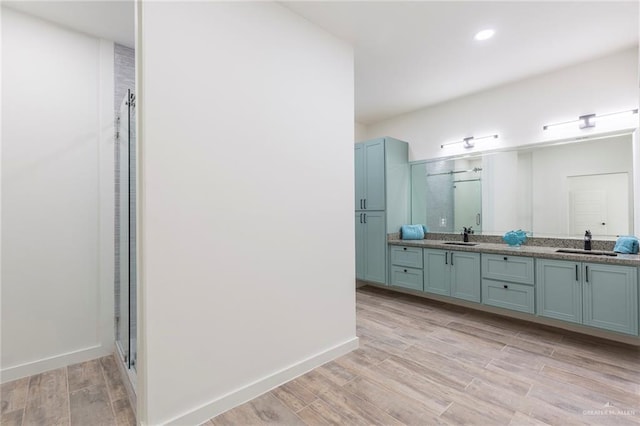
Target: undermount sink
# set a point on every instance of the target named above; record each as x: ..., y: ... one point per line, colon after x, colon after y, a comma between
x: 587, y: 252
x: 458, y: 243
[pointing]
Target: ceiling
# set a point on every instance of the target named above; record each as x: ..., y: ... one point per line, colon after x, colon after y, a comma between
x: 112, y: 20
x: 409, y: 55
x: 414, y: 54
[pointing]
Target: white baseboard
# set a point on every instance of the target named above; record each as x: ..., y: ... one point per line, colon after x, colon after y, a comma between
x: 257, y: 388
x: 58, y: 361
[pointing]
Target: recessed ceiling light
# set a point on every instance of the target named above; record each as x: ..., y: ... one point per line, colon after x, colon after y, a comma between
x: 484, y: 34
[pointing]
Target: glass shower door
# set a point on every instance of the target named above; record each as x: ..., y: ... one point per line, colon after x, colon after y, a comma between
x: 126, y: 336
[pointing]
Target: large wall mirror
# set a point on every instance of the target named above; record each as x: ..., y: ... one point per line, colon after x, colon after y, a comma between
x: 555, y: 190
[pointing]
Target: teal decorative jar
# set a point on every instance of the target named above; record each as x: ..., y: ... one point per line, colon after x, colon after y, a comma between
x: 515, y: 238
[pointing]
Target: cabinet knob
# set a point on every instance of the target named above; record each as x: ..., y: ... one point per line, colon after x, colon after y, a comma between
x: 505, y: 258
x: 405, y: 270
x: 506, y: 286
x: 404, y: 248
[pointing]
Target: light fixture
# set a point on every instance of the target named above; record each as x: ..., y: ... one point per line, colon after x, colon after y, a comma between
x: 484, y: 34
x: 589, y: 120
x: 470, y: 141
x: 586, y: 121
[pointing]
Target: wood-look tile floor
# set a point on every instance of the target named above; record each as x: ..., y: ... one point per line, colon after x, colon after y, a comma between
x: 86, y: 394
x: 422, y: 362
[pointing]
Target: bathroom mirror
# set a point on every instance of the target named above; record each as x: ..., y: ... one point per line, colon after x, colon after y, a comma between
x: 556, y: 190
x: 447, y: 195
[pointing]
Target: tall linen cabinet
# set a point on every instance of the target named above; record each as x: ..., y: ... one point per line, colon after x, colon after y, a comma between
x: 382, y: 201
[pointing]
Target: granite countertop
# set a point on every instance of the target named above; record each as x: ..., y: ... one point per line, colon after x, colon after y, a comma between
x: 524, y: 250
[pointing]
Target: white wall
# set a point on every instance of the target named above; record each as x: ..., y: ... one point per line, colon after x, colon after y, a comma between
x: 247, y: 235
x: 361, y: 132
x: 518, y: 111
x: 57, y: 196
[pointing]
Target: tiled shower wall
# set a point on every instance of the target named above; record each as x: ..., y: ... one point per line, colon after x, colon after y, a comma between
x: 440, y: 195
x: 124, y: 63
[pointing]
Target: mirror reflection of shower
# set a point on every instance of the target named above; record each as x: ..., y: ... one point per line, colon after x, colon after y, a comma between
x: 454, y: 195
x: 126, y: 335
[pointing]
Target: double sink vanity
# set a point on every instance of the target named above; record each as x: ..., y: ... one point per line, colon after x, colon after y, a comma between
x: 540, y: 189
x: 597, y: 289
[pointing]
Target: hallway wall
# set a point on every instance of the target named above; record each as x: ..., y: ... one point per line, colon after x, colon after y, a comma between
x: 57, y: 196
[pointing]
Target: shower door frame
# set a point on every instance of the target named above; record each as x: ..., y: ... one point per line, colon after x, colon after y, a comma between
x: 124, y: 346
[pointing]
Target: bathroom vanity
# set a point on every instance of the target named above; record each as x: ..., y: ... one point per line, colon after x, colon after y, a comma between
x: 596, y: 291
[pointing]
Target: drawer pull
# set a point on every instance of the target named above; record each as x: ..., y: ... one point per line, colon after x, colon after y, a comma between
x: 506, y: 286
x: 505, y: 258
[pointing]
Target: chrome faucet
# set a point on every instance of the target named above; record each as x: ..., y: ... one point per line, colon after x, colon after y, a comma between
x: 587, y: 240
x: 465, y: 233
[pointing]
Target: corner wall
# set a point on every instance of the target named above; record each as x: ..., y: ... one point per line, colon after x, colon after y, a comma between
x: 57, y: 196
x: 246, y: 227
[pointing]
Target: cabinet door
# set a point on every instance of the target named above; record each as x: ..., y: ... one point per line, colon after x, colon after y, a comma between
x: 611, y: 297
x: 359, y: 177
x: 375, y: 251
x: 465, y: 275
x: 436, y: 271
x: 374, y: 175
x: 559, y: 290
x: 360, y: 248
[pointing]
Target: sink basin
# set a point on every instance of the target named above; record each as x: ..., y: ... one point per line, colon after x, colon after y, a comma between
x: 458, y: 243
x: 587, y: 252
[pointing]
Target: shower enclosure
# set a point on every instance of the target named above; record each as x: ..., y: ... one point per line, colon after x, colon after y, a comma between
x: 126, y: 334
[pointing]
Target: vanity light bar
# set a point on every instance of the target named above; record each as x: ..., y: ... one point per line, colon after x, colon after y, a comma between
x: 469, y: 142
x: 589, y: 120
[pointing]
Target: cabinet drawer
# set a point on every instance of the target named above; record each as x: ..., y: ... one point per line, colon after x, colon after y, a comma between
x: 406, y: 256
x: 517, y: 297
x: 515, y: 269
x: 406, y: 277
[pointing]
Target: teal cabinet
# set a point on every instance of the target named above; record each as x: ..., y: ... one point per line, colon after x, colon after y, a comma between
x: 515, y: 269
x: 559, y: 288
x: 436, y: 272
x: 611, y: 297
x: 359, y: 177
x: 406, y: 277
x: 360, y: 246
x: 508, y: 295
x: 382, y: 188
x: 370, y: 175
x: 406, y: 267
x: 465, y: 275
x: 374, y: 158
x: 508, y: 282
x: 406, y: 256
x: 598, y: 295
x: 452, y: 273
x: 371, y: 244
